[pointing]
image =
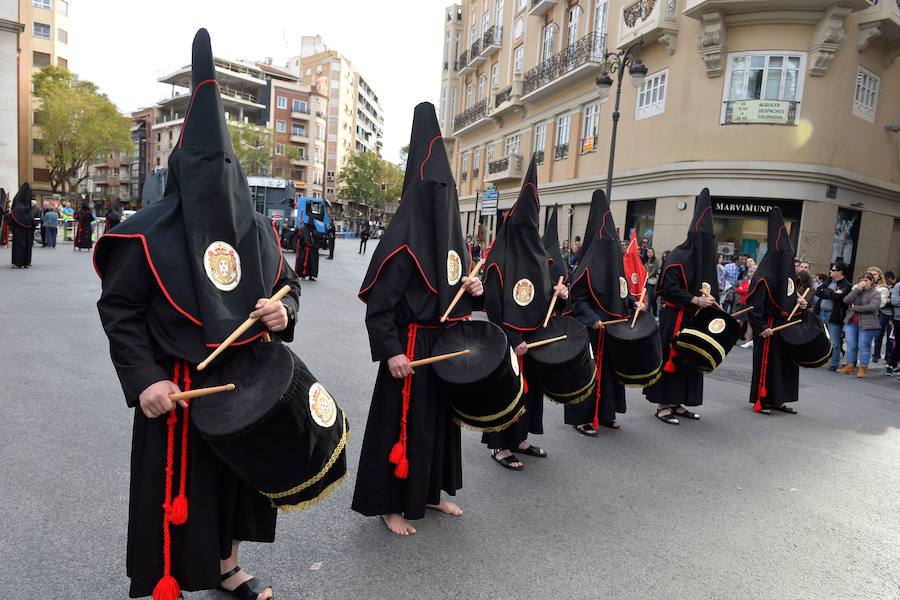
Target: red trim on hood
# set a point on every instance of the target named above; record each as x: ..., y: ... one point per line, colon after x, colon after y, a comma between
x: 190, y: 105
x: 587, y: 273
x: 499, y: 273
x: 13, y: 215
x: 384, y: 262
x: 683, y: 276
x: 159, y: 280
x: 428, y: 156
x: 778, y: 239
x: 700, y: 218
x: 765, y: 281
x: 603, y: 223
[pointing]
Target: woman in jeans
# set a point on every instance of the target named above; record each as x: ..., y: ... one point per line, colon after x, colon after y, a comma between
x: 884, y: 314
x: 652, y: 265
x: 861, y: 324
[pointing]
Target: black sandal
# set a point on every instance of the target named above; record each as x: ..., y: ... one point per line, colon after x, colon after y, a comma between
x: 533, y: 451
x: 786, y: 409
x: 507, y: 463
x: 686, y: 414
x: 249, y: 590
x: 586, y: 429
x: 614, y: 424
x: 669, y: 418
x: 765, y: 411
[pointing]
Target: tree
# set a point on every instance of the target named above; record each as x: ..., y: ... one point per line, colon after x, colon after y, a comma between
x: 252, y: 146
x: 369, y: 180
x: 77, y: 125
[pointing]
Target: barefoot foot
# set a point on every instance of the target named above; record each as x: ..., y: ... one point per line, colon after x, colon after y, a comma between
x: 445, y: 506
x: 397, y: 524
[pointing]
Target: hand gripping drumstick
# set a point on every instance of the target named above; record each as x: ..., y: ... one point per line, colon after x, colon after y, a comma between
x: 462, y: 290
x: 545, y: 342
x: 786, y: 325
x: 200, y: 392
x: 636, y: 309
x: 553, y: 300
x: 241, y: 329
x: 796, y: 306
x: 438, y: 358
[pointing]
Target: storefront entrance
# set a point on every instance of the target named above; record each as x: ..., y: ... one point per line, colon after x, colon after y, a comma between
x: 741, y: 224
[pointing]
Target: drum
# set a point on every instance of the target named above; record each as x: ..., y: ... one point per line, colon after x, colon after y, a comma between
x: 280, y: 430
x: 706, y: 339
x: 635, y: 353
x: 808, y: 344
x: 567, y: 370
x: 483, y: 387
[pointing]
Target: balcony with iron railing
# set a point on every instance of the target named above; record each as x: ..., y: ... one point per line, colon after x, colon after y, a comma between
x: 464, y: 66
x: 577, y: 60
x: 539, y: 157
x: 561, y: 152
x: 471, y: 118
x: 491, y: 41
x: 508, y: 99
x: 507, y: 168
x: 881, y: 21
x: 539, y: 8
x: 475, y: 56
x: 650, y: 21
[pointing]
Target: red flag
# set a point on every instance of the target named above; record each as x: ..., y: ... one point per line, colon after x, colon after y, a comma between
x: 634, y: 268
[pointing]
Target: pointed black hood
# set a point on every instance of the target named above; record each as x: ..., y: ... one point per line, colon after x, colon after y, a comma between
x: 426, y: 224
x: 600, y: 274
x: 115, y: 210
x: 775, y: 274
x: 695, y: 258
x: 20, y: 211
x: 212, y: 254
x: 517, y: 269
x: 558, y: 265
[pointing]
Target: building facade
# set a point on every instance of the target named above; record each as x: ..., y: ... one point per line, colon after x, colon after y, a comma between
x: 793, y: 104
x: 10, y: 30
x: 44, y: 42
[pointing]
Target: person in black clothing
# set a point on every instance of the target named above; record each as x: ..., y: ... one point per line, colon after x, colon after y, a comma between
x: 832, y: 309
x: 177, y: 278
x: 411, y: 449
x: 21, y: 224
x: 364, y: 233
x: 307, y: 261
x: 84, y: 231
x: 113, y: 214
x: 330, y: 235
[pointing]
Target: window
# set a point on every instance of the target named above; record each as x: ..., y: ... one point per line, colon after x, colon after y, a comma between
x: 45, y: 4
x: 561, y: 150
x: 301, y: 152
x: 42, y: 30
x: 279, y: 149
x: 519, y: 28
x: 485, y: 22
x: 299, y: 106
x: 465, y: 167
x: 443, y: 106
x: 572, y: 31
x: 498, y: 20
x: 482, y: 85
x: 865, y: 101
x: 63, y: 36
x: 298, y: 130
x: 469, y: 89
x: 41, y: 175
x: 764, y: 76
x: 452, y: 106
x: 540, y: 139
x: 476, y: 163
x: 512, y: 144
x: 318, y: 69
x: 601, y: 16
x: 591, y: 128
x: 495, y: 75
x: 489, y: 152
x: 40, y: 59
x: 519, y: 60
x: 320, y: 132
x: 61, y: 62
x: 329, y: 191
x: 278, y: 172
x: 281, y: 102
x: 320, y: 156
x: 548, y: 41
x: 651, y: 97
x: 308, y: 72
x: 522, y: 4
x: 280, y: 126
x: 62, y: 7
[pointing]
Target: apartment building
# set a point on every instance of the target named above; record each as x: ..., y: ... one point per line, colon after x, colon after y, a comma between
x: 142, y: 121
x: 10, y: 30
x: 794, y: 103
x: 110, y: 177
x: 44, y: 42
x: 369, y: 119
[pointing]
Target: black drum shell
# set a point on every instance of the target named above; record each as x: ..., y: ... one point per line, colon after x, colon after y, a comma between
x: 566, y: 369
x: 484, y: 387
x: 706, y: 339
x: 276, y: 446
x: 809, y: 343
x: 635, y: 354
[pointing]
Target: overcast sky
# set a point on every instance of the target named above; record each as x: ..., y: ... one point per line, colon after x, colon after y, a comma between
x: 124, y: 47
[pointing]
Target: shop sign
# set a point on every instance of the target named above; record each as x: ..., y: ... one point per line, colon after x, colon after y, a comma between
x: 748, y: 207
x: 767, y: 112
x: 587, y: 144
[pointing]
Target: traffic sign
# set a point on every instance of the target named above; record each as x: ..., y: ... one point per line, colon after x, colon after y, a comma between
x: 489, y: 203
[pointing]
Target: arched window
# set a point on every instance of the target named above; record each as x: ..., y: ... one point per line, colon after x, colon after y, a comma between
x: 572, y: 31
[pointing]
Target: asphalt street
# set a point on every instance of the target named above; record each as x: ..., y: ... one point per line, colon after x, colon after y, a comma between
x: 737, y: 505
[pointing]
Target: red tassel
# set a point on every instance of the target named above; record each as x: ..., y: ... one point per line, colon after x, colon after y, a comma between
x: 396, y: 454
x: 179, y: 514
x: 166, y: 589
x: 758, y: 406
x: 596, y: 423
x: 402, y: 470
x: 762, y: 392
x: 670, y: 365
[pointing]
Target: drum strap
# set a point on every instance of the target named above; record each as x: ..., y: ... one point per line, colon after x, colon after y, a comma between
x: 521, y: 360
x: 764, y: 369
x: 398, y: 452
x: 601, y: 342
x: 174, y: 511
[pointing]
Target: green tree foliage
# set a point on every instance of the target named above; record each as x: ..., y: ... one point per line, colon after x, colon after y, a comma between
x: 77, y: 124
x: 253, y: 147
x: 362, y: 176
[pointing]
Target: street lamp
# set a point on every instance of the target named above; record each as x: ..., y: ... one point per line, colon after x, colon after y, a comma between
x: 615, y: 62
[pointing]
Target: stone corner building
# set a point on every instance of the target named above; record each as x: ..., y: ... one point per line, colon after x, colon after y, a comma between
x: 787, y: 103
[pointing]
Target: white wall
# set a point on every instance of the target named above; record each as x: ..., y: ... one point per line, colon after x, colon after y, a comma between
x: 9, y: 125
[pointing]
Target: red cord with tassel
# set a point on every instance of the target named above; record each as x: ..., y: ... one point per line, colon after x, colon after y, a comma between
x: 601, y: 339
x: 167, y: 587
x: 180, y: 503
x: 670, y: 363
x: 762, y: 392
x: 398, y: 452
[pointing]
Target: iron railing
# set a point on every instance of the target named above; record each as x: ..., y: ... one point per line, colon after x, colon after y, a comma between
x: 498, y: 166
x: 470, y: 115
x: 539, y: 157
x: 475, y: 172
x: 587, y: 49
x: 502, y: 96
x: 492, y: 36
x: 463, y: 59
x: 463, y: 177
x: 561, y: 152
x: 474, y: 49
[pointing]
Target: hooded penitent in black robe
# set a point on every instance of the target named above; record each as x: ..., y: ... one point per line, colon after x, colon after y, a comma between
x: 687, y: 268
x: 178, y: 277
x: 773, y: 294
x: 415, y: 272
x: 600, y: 293
x: 517, y: 293
x: 4, y: 219
x: 21, y: 224
x: 558, y: 265
x: 307, y: 261
x: 113, y: 215
x: 84, y: 232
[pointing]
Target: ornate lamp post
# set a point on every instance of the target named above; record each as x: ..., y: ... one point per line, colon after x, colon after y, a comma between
x: 616, y: 62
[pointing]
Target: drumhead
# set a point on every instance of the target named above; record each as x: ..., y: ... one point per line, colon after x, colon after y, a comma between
x: 644, y: 327
x: 563, y: 351
x: 807, y: 331
x: 261, y: 373
x: 487, y: 344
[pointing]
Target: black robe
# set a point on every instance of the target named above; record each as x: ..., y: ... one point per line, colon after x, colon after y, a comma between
x: 776, y: 377
x: 22, y: 243
x: 143, y: 330
x: 307, y: 262
x: 433, y: 439
x: 84, y: 233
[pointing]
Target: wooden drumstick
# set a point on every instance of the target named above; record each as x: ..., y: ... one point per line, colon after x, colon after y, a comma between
x: 637, y: 309
x: 200, y: 392
x: 553, y: 300
x: 241, y: 329
x: 462, y: 290
x: 438, y: 358
x: 742, y: 311
x: 613, y: 322
x: 796, y: 306
x: 785, y: 326
x: 547, y: 341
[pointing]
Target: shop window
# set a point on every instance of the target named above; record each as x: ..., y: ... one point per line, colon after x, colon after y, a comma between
x: 640, y: 217
x: 846, y: 234
x: 651, y: 97
x: 865, y: 100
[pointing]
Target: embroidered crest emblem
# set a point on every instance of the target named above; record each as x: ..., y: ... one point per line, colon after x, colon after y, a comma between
x: 623, y: 288
x: 790, y: 286
x: 716, y: 326
x: 223, y: 266
x: 454, y: 267
x: 321, y: 405
x: 634, y: 278
x: 514, y: 361
x: 523, y: 292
